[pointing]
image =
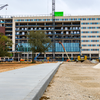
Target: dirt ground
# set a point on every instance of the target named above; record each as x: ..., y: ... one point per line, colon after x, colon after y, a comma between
x: 7, y: 67
x: 74, y: 81
x: 11, y: 66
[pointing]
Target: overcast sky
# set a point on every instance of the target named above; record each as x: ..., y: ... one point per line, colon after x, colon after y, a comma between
x: 38, y: 7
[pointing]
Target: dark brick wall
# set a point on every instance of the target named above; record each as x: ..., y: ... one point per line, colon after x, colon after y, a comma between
x: 2, y: 30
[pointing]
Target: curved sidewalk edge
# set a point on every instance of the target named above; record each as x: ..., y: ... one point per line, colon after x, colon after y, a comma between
x: 39, y: 90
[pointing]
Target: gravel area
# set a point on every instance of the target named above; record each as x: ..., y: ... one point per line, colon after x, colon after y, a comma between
x: 74, y: 81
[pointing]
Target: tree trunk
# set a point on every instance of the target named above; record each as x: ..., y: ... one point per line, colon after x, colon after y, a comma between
x: 33, y: 56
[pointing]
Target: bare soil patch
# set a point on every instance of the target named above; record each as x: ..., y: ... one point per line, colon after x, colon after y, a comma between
x: 16, y: 65
x: 74, y: 81
x: 7, y: 67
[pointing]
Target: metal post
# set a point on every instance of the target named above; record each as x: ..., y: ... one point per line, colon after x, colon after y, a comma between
x: 80, y: 50
x: 27, y: 54
x: 53, y: 28
x: 99, y: 55
x: 18, y: 53
x: 24, y: 53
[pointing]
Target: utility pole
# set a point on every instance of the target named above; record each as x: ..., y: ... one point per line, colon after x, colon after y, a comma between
x: 53, y: 29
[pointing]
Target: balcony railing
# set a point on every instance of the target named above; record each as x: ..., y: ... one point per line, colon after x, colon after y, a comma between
x: 8, y: 34
x: 21, y: 38
x: 2, y: 22
x: 71, y: 38
x: 26, y: 25
x: 44, y: 29
x: 20, y: 34
x: 8, y: 26
x: 8, y: 30
x: 8, y: 22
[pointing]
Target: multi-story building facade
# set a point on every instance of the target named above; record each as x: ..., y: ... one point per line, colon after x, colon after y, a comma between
x: 75, y: 32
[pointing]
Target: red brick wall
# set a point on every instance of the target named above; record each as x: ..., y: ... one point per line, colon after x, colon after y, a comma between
x: 2, y: 30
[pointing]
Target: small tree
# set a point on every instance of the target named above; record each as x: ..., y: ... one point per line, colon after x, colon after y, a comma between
x: 5, y: 43
x: 39, y: 42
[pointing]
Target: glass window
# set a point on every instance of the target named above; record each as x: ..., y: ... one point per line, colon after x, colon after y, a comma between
x: 85, y: 23
x: 98, y: 36
x: 39, y: 19
x: 91, y: 45
x: 83, y: 36
x: 91, y: 36
x: 92, y: 18
x: 18, y: 19
x: 85, y: 49
x: 63, y: 19
x: 98, y: 45
x: 85, y: 31
x: 84, y: 45
x: 75, y: 19
x: 31, y: 19
x: 22, y: 20
x: 94, y: 49
x: 78, y: 18
x: 88, y: 18
x: 83, y: 28
x: 44, y: 19
x: 91, y: 27
x: 56, y: 19
x: 94, y: 32
x: 85, y: 40
x: 84, y: 18
x: 94, y: 40
x: 98, y: 27
x: 48, y: 19
x: 98, y: 18
x: 66, y: 19
x: 94, y: 23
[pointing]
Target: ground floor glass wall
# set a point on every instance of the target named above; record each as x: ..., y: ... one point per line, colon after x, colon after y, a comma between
x: 70, y: 47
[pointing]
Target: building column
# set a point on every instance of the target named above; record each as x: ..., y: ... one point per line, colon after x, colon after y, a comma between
x: 71, y: 56
x: 18, y: 57
x: 90, y: 56
x: 62, y: 40
x: 27, y: 56
x: 14, y: 56
x: 99, y: 54
x: 44, y: 55
x: 62, y: 57
x: 24, y: 55
x: 13, y: 35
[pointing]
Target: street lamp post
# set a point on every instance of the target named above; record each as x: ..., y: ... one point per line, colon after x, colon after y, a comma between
x: 18, y: 55
x: 80, y: 50
x: 99, y: 55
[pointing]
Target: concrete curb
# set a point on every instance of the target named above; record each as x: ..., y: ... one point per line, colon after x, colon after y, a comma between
x: 39, y: 90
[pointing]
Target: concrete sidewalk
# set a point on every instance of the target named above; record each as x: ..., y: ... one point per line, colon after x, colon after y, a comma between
x: 27, y: 83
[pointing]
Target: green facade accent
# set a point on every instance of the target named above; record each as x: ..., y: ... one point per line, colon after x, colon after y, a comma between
x: 58, y: 14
